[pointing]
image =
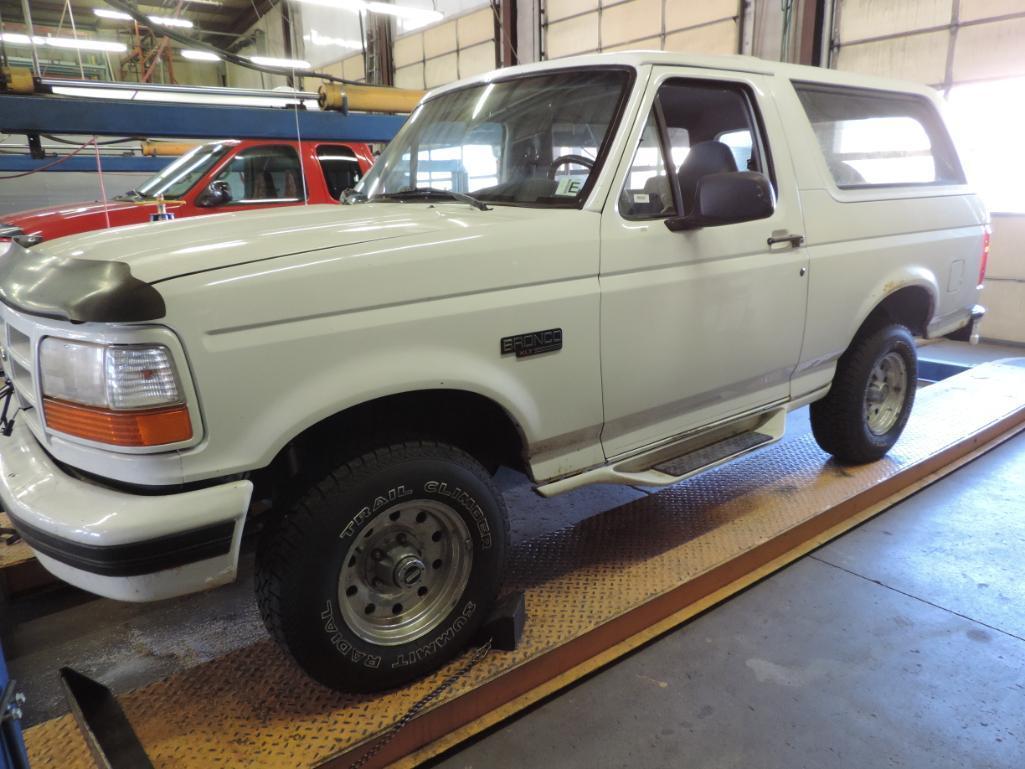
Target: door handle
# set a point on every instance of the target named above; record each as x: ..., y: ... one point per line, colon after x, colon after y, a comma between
x: 793, y: 240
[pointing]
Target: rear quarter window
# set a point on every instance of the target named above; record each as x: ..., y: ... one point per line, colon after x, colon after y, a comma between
x: 879, y: 138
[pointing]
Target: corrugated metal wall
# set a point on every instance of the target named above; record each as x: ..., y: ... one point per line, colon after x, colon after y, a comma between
x: 456, y: 48
x: 585, y: 26
x: 939, y: 42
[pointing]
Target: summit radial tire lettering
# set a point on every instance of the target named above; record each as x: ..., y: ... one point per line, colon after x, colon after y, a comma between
x: 838, y: 420
x: 299, y: 558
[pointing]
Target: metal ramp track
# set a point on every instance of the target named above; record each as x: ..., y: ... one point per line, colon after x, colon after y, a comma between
x: 594, y: 591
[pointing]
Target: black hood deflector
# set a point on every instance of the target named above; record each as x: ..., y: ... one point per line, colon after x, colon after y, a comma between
x: 76, y: 290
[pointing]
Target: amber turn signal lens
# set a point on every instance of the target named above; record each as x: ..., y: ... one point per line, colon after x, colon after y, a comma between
x: 146, y: 427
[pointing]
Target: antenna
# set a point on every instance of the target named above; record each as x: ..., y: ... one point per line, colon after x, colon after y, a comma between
x: 301, y: 152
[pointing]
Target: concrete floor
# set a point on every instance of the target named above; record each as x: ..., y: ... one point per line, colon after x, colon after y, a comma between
x: 899, y: 644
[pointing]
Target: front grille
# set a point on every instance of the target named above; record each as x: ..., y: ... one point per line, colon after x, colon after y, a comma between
x: 18, y: 342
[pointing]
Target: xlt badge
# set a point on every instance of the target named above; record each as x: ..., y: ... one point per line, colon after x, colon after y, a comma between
x: 532, y: 343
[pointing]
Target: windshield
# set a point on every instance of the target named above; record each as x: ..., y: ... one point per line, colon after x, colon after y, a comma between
x: 528, y: 141
x: 178, y: 178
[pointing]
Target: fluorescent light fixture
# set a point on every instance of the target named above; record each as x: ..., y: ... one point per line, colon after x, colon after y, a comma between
x: 315, y: 38
x: 269, y: 61
x: 401, y: 11
x: 85, y: 45
x: 82, y: 44
x: 171, y: 21
x: 406, y: 12
x: 107, y: 13
x: 163, y: 21
x: 189, y: 53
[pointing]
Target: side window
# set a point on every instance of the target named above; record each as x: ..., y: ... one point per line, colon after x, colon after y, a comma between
x: 340, y: 167
x: 647, y: 193
x: 268, y: 174
x: 709, y: 128
x: 877, y: 138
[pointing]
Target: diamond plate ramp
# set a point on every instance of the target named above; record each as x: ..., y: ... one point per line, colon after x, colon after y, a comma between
x: 592, y: 590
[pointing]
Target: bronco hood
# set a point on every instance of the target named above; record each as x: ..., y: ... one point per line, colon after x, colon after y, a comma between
x: 108, y: 275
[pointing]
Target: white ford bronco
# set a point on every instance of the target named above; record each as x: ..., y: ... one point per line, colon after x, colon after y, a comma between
x: 614, y: 268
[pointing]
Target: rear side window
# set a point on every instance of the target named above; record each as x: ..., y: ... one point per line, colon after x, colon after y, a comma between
x: 340, y: 166
x: 877, y: 138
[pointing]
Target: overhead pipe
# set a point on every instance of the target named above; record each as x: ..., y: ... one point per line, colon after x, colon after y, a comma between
x: 367, y: 98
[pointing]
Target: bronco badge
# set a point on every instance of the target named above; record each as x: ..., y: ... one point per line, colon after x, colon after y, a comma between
x: 533, y: 343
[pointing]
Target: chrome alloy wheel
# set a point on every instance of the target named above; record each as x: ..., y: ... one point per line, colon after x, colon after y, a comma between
x: 886, y: 393
x: 405, y: 572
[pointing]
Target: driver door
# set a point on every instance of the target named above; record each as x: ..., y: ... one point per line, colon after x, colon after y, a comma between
x: 701, y: 325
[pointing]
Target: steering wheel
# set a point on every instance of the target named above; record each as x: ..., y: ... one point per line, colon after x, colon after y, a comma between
x: 563, y: 160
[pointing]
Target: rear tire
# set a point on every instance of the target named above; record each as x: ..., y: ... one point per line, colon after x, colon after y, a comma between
x: 385, y: 568
x: 871, y: 397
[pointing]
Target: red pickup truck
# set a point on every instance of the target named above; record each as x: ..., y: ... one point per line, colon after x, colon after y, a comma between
x: 218, y: 176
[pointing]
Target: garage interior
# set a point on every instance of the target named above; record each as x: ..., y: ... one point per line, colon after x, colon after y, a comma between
x: 780, y: 610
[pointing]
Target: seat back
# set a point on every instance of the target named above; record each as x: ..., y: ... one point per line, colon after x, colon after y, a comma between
x: 704, y: 158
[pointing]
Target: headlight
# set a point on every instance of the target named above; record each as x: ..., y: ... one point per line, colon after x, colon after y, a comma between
x: 125, y: 395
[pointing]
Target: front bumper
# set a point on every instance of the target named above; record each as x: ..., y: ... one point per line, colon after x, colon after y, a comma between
x: 130, y: 547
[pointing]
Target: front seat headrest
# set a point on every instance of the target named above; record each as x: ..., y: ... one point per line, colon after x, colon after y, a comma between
x: 704, y: 158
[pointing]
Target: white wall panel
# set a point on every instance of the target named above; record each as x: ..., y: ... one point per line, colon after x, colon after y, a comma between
x: 410, y: 77
x: 458, y: 47
x: 475, y: 28
x: 1005, y: 311
x: 687, y: 13
x: 560, y: 9
x: 440, y: 39
x: 992, y: 50
x: 861, y: 19
x: 353, y: 68
x: 441, y: 70
x: 1007, y: 249
x: 972, y: 10
x: 630, y: 21
x: 408, y: 49
x: 648, y: 44
x: 576, y: 35
x: 709, y: 26
x: 721, y: 38
x: 922, y: 58
x: 989, y: 42
x: 477, y: 59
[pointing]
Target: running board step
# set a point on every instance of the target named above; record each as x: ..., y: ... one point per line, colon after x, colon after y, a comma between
x: 683, y: 457
x: 717, y: 452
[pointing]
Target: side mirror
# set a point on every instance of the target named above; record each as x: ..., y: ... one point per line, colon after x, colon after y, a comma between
x: 217, y: 194
x: 727, y: 198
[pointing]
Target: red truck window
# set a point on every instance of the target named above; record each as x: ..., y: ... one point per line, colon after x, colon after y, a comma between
x: 341, y: 168
x: 268, y: 174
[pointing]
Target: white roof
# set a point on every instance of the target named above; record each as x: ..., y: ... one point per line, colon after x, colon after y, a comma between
x: 733, y: 63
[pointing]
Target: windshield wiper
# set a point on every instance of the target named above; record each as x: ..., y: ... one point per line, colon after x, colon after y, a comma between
x: 434, y: 192
x: 132, y: 194
x: 351, y: 195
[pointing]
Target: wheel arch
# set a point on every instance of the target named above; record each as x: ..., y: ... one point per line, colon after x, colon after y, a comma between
x: 469, y: 420
x: 910, y: 302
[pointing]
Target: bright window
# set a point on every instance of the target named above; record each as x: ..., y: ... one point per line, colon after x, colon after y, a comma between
x: 986, y: 120
x: 877, y: 138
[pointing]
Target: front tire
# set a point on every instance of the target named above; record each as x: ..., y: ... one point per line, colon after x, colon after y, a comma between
x: 871, y: 397
x: 384, y: 569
